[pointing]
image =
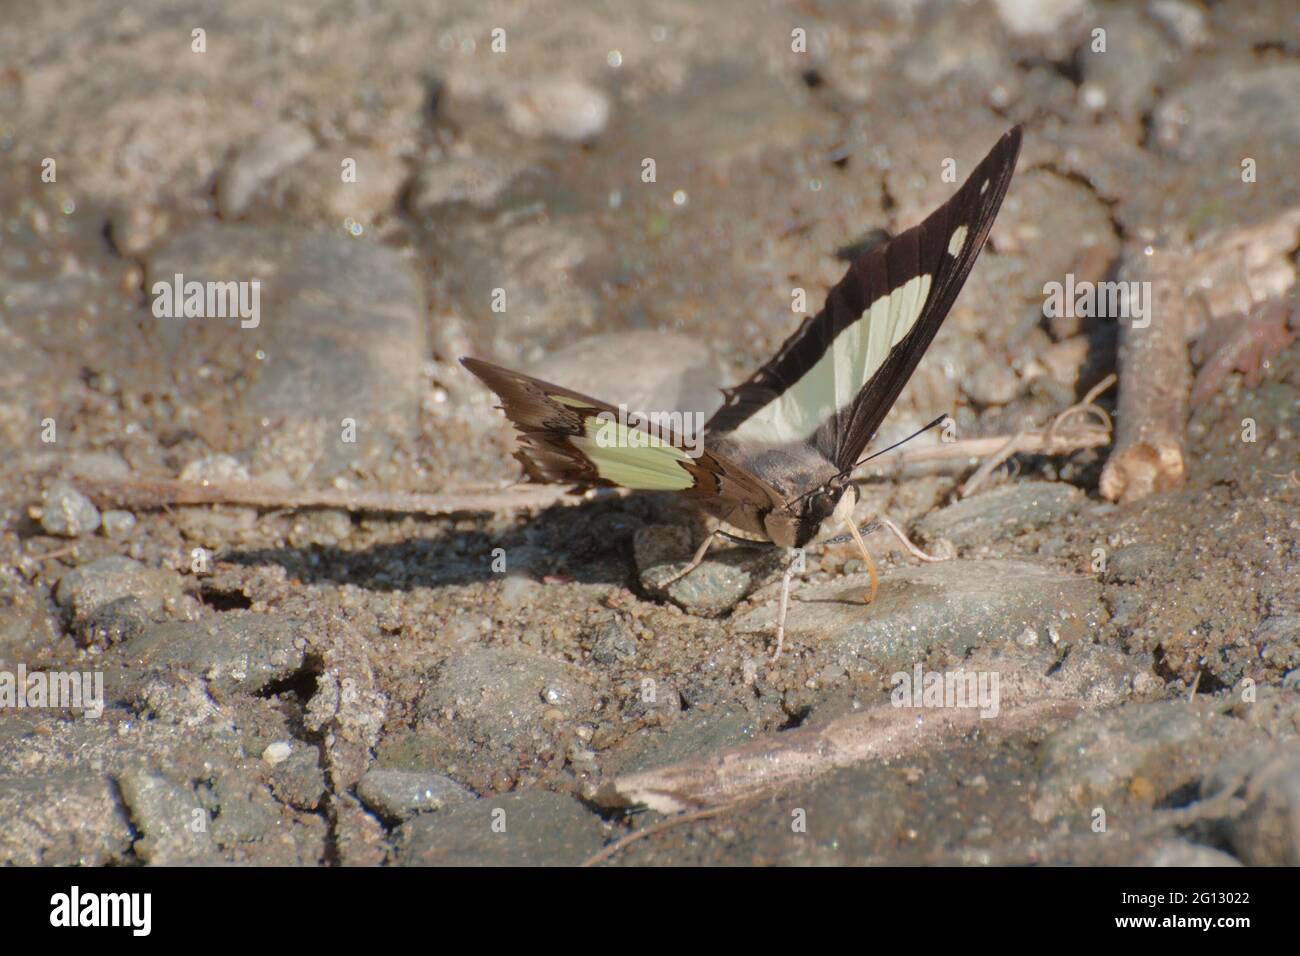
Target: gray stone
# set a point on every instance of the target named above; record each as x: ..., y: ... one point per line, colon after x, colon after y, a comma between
x: 957, y: 41
x: 502, y: 694
x: 659, y: 551
x: 543, y: 269
x: 340, y: 337
x: 136, y: 227
x: 613, y: 643
x: 1176, y: 851
x: 1278, y: 640
x: 257, y: 162
x: 1136, y: 562
x: 559, y: 108
x: 68, y: 513
x: 1185, y: 21
x: 85, y: 588
x: 218, y: 469
x: 253, y: 829
x: 1001, y: 513
x: 531, y: 828
x: 97, y: 466
x: 991, y: 383
x: 712, y: 589
x: 673, y: 373
x: 955, y: 605
x: 71, y: 819
x: 114, y: 622
x: 236, y: 653
x: 1096, y: 759
x: 729, y: 111
x: 398, y: 795
x: 173, y: 826
x: 118, y: 524
x: 325, y: 527
x: 476, y: 180
x: 28, y: 625
x: 315, y: 189
x: 1140, y: 45
x: 699, y: 732
x: 1034, y: 17
x: 298, y: 779
x: 1268, y: 832
x: 1211, y: 115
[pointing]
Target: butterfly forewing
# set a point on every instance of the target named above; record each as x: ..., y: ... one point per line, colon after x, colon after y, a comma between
x: 834, y: 380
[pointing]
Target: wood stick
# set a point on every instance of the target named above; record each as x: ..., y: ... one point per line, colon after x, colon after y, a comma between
x: 1155, y: 379
x: 1228, y: 269
x: 155, y: 494
x: 796, y: 756
x: 967, y: 451
x: 152, y: 495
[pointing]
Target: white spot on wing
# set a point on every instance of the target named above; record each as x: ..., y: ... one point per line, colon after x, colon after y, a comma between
x: 984, y: 187
x: 957, y: 241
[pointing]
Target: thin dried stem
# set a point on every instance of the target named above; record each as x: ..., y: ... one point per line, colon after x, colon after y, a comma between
x: 1050, y: 436
x: 153, y: 495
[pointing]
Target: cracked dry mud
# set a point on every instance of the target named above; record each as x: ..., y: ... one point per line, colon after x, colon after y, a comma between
x: 314, y: 687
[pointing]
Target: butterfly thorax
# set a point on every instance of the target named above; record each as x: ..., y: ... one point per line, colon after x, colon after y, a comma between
x: 808, y: 487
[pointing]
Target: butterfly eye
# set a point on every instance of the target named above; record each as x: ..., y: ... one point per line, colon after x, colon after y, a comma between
x: 820, y: 505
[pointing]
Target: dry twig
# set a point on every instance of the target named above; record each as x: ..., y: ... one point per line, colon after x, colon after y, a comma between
x: 1155, y: 372
x: 152, y: 495
x: 798, y: 755
x: 1017, y: 442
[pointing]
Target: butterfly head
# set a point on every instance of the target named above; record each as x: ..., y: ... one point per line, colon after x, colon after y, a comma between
x: 797, y: 526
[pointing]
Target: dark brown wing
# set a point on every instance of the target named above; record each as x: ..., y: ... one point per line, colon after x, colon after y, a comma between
x: 834, y: 380
x: 558, y: 445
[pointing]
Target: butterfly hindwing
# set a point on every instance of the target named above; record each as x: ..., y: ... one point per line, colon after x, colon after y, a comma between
x: 570, y: 438
x: 834, y: 380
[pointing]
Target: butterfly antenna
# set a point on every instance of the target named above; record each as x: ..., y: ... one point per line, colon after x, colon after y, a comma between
x: 848, y: 471
x: 920, y: 431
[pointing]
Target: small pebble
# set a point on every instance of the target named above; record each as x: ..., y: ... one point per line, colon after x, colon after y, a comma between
x: 564, y: 109
x: 215, y: 468
x: 276, y: 148
x: 118, y: 524
x: 67, y: 512
x: 136, y: 228
x: 277, y: 752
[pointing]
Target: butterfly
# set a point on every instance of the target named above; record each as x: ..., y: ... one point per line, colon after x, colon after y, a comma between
x: 776, y: 459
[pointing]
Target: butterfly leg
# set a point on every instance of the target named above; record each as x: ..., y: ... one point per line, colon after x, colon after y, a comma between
x: 696, y: 561
x: 785, y: 604
x: 912, y: 549
x: 866, y: 557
